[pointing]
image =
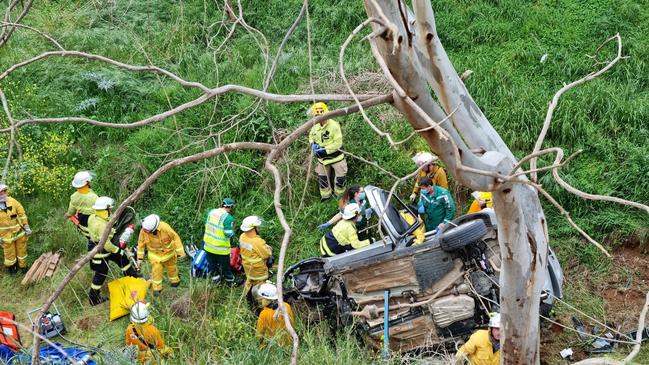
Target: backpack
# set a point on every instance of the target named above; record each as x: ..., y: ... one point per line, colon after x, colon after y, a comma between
x: 235, y: 259
x: 198, y: 268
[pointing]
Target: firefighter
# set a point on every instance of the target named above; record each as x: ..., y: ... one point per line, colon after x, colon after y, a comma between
x: 216, y: 242
x: 114, y: 248
x: 256, y: 255
x: 14, y: 230
x: 326, y: 141
x: 353, y: 194
x: 436, y: 203
x: 481, y: 200
x: 163, y: 246
x: 145, y: 336
x: 430, y: 170
x: 81, y: 201
x: 483, y: 347
x: 271, y: 325
x: 343, y: 237
x: 410, y: 218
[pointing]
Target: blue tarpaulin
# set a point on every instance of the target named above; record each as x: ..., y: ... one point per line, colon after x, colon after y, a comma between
x: 51, y: 356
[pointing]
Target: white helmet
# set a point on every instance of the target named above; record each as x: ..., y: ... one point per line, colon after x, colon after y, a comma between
x: 81, y: 178
x: 267, y: 291
x: 250, y: 222
x: 140, y: 312
x: 494, y: 321
x: 103, y: 203
x: 424, y: 158
x: 150, y: 222
x: 351, y: 210
x: 4, y: 187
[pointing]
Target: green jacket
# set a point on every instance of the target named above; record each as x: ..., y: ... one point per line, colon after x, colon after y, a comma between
x: 439, y: 207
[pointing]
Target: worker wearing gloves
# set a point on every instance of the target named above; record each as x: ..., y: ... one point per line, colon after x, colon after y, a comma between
x: 145, y: 336
x: 269, y: 324
x: 14, y: 230
x: 436, y: 203
x: 256, y: 255
x: 430, y: 170
x: 216, y: 241
x: 163, y: 246
x: 81, y: 202
x: 114, y: 248
x: 353, y: 194
x: 326, y: 140
x: 483, y: 347
x: 343, y: 237
x: 481, y: 200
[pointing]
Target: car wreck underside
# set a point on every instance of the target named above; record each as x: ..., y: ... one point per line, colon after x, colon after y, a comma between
x: 439, y: 291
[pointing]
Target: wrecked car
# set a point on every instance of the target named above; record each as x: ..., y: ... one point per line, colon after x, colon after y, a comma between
x: 439, y: 290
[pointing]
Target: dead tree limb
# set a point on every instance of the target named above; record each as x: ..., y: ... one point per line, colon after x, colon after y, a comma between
x: 6, y: 33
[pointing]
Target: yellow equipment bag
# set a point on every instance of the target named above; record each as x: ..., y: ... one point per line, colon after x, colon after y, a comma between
x: 124, y: 293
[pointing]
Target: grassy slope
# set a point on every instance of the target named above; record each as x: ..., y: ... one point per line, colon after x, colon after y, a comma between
x: 502, y: 43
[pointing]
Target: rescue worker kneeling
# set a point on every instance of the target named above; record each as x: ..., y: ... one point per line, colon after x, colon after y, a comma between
x: 272, y: 325
x: 163, y: 246
x: 145, y: 336
x: 256, y: 255
x: 483, y: 347
x: 114, y: 248
x: 343, y: 237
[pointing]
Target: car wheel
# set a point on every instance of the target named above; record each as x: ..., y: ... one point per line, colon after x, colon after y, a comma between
x: 457, y: 237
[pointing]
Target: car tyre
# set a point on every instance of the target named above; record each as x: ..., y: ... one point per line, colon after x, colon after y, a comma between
x: 454, y: 238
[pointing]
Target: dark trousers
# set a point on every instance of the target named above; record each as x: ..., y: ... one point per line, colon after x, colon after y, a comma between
x: 100, y: 267
x: 219, y: 265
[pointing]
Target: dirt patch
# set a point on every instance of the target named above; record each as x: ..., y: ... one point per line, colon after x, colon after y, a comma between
x: 181, y: 307
x: 88, y: 323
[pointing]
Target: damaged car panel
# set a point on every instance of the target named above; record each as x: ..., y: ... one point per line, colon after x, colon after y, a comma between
x: 440, y: 289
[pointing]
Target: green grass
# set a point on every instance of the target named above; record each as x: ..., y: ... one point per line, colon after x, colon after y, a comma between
x: 502, y: 42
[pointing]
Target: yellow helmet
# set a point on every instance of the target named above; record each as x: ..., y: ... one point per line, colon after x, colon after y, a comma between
x: 318, y: 109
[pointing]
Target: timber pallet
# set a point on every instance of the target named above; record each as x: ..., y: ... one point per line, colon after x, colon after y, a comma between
x: 43, y: 267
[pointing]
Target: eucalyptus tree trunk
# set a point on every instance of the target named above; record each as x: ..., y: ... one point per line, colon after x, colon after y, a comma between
x: 408, y: 44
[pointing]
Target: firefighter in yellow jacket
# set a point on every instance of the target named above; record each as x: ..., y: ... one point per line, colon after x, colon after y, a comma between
x: 344, y: 236
x: 81, y: 202
x: 14, y: 230
x: 142, y: 334
x: 326, y: 141
x: 483, y: 347
x: 430, y: 170
x: 482, y: 200
x: 256, y: 255
x: 164, y: 246
x: 270, y: 324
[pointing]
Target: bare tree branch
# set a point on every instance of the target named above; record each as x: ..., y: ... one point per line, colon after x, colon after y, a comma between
x: 6, y: 34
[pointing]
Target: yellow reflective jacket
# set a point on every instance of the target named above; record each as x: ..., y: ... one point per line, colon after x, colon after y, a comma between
x: 151, y: 347
x: 329, y: 137
x: 343, y: 237
x: 437, y: 176
x: 96, y: 225
x: 479, y: 350
x: 162, y: 244
x: 82, y: 202
x: 12, y: 220
x: 485, y: 198
x: 269, y: 326
x: 254, y: 253
x: 420, y: 231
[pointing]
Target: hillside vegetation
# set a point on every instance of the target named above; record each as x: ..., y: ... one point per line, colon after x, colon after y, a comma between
x: 501, y: 41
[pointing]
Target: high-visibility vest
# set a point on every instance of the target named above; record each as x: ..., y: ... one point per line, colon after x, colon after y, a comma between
x: 216, y: 240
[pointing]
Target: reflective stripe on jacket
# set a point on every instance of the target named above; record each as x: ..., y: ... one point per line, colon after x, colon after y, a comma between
x: 330, y: 138
x: 153, y: 348
x: 82, y: 202
x: 439, y: 207
x: 12, y: 220
x: 343, y: 237
x: 162, y: 244
x: 437, y: 176
x: 96, y: 225
x: 218, y: 230
x: 254, y: 253
x: 479, y: 349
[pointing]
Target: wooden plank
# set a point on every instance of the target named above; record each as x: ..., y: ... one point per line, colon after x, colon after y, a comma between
x: 31, y: 274
x: 53, y: 265
x: 42, y: 267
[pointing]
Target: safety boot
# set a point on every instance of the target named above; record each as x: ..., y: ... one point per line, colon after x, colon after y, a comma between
x: 13, y: 269
x: 24, y: 270
x: 175, y: 285
x: 95, y: 297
